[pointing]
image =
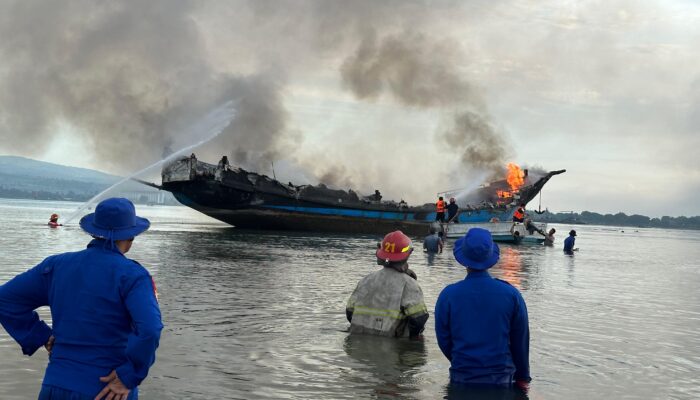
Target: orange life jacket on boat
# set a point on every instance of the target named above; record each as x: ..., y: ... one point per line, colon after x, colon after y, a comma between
x: 440, y: 205
x: 519, y: 213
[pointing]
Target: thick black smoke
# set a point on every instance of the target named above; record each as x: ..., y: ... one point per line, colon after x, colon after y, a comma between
x: 421, y: 71
x: 127, y: 76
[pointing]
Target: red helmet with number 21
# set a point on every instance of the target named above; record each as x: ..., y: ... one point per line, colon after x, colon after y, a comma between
x: 395, y: 247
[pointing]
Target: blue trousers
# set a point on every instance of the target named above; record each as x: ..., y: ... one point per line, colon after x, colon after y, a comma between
x: 55, y: 393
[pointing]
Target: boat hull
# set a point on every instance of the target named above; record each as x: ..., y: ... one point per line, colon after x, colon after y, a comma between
x: 500, y: 232
x: 269, y: 212
x: 252, y: 201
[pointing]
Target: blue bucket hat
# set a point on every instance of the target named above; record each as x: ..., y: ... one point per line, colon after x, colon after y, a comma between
x: 476, y: 249
x: 114, y: 219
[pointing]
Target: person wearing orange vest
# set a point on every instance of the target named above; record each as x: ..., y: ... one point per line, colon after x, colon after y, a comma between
x: 519, y: 214
x: 440, y: 208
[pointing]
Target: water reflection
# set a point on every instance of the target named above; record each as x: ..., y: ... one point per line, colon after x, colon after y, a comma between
x: 431, y: 258
x: 392, y: 363
x: 570, y: 270
x: 511, y: 266
x: 472, y: 392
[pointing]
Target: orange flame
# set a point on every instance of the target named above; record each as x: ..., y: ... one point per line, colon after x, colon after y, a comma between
x: 503, y: 194
x: 515, y: 177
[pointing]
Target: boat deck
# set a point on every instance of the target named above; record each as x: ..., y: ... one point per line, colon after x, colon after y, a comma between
x: 500, y: 231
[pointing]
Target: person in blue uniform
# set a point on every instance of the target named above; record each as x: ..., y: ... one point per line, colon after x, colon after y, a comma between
x: 569, y: 243
x: 481, y: 323
x: 106, y: 321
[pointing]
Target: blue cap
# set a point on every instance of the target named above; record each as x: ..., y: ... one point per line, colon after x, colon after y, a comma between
x: 114, y: 219
x: 476, y: 249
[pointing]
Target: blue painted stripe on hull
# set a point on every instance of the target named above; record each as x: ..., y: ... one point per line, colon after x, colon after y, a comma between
x: 345, y: 212
x: 472, y: 216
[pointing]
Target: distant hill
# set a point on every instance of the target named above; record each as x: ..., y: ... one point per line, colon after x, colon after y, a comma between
x: 25, y: 178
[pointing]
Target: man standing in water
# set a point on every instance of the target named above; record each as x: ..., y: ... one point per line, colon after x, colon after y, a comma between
x: 569, y: 243
x: 432, y: 244
x: 549, y: 237
x: 481, y: 323
x: 389, y: 302
x: 53, y: 221
x: 106, y: 321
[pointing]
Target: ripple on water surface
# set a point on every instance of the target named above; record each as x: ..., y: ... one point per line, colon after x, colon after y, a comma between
x: 253, y: 315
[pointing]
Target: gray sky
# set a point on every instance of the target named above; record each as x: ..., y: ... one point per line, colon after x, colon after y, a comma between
x: 410, y: 98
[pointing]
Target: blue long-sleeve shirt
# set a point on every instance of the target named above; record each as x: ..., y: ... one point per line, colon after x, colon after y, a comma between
x: 569, y: 243
x: 482, y: 327
x: 105, y: 317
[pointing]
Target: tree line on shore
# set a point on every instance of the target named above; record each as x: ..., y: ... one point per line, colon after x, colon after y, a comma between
x: 619, y: 219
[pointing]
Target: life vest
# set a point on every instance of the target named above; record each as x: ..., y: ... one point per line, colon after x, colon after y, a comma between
x: 440, y: 205
x: 519, y: 213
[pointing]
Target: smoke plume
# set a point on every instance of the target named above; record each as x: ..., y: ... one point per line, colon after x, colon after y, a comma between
x: 420, y: 71
x: 127, y: 77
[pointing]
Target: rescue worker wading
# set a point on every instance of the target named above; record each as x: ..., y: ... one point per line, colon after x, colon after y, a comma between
x: 53, y: 221
x: 389, y: 302
x: 481, y: 323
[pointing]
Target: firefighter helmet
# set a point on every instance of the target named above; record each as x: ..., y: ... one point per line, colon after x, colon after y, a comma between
x: 395, y: 247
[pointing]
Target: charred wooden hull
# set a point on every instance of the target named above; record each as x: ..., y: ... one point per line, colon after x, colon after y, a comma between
x: 252, y: 201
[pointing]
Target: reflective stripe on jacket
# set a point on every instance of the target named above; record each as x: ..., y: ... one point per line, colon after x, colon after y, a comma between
x: 384, y: 301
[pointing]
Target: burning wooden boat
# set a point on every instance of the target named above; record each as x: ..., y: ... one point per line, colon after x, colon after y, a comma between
x: 250, y: 200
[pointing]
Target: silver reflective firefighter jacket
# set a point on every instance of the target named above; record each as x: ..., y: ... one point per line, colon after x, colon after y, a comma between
x: 387, y: 303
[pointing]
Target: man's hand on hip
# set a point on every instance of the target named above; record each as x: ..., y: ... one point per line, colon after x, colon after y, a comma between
x: 115, y: 389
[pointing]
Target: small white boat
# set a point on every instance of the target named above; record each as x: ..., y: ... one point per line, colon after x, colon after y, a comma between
x: 504, y: 232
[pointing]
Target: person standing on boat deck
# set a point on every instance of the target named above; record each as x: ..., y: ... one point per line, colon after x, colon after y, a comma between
x: 440, y: 209
x: 570, y: 242
x: 389, y: 302
x: 106, y: 321
x: 452, y: 210
x: 549, y: 237
x: 432, y: 244
x: 519, y: 214
x: 481, y: 323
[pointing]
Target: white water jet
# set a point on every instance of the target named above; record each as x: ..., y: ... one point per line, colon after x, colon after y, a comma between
x: 207, y: 128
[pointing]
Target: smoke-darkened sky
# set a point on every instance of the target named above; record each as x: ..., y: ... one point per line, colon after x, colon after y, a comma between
x: 410, y: 98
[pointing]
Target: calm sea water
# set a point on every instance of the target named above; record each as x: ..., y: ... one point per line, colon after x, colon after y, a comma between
x: 253, y: 315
